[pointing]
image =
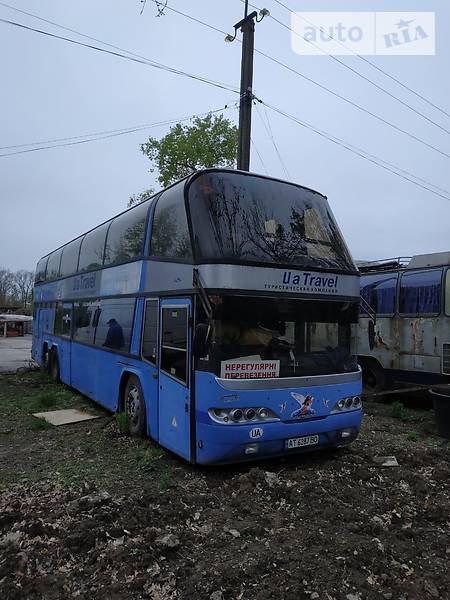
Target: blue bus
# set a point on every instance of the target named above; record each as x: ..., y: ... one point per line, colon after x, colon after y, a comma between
x: 220, y: 315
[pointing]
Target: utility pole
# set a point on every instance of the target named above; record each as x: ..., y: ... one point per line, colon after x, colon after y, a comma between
x: 247, y: 27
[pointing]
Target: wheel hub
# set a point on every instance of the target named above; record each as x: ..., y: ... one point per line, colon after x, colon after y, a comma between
x: 133, y: 404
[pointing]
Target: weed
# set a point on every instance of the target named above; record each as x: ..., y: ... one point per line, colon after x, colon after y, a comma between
x: 413, y: 436
x: 147, y: 458
x: 399, y: 411
x: 47, y: 399
x: 166, y: 479
x: 38, y: 424
x: 122, y: 422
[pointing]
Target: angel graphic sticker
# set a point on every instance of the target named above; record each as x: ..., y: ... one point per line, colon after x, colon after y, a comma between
x: 305, y: 403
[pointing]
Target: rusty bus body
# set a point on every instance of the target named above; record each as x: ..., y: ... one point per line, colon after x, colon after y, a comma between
x: 409, y: 338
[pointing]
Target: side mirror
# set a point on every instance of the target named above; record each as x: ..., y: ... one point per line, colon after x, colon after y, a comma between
x: 371, y: 334
x: 201, y: 338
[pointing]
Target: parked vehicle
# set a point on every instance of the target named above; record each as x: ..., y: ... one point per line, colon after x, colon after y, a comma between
x: 220, y: 315
x: 410, y: 298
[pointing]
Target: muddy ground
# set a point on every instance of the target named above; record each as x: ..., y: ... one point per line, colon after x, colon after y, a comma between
x: 88, y: 513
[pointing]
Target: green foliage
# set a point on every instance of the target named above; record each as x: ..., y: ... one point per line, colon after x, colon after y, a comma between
x: 122, y: 422
x: 413, y: 436
x: 399, y: 411
x: 166, y: 479
x: 138, y: 198
x: 210, y: 141
x: 146, y: 459
x: 47, y: 399
x: 38, y: 424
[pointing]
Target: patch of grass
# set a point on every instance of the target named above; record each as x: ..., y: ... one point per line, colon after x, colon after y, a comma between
x: 166, y: 479
x: 37, y: 423
x: 48, y: 399
x: 399, y: 411
x: 122, y: 422
x: 413, y: 436
x: 146, y: 458
x: 73, y: 472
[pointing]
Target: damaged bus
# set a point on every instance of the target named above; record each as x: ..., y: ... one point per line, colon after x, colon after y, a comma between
x: 220, y: 315
x: 409, y: 299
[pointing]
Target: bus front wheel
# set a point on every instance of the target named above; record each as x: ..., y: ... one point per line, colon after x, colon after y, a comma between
x: 134, y: 404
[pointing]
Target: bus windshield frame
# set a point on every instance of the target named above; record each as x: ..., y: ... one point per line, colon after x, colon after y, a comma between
x: 242, y: 218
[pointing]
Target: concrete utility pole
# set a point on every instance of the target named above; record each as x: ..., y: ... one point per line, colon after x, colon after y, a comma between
x: 247, y: 27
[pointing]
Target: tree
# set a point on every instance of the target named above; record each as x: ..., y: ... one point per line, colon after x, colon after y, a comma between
x: 210, y: 141
x: 23, y: 285
x: 141, y: 197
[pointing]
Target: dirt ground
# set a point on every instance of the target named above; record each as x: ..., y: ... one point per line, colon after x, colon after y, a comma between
x: 88, y: 513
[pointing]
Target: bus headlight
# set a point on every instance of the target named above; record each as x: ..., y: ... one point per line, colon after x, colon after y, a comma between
x: 231, y: 416
x: 345, y: 404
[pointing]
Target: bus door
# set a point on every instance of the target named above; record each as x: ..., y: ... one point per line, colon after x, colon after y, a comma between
x: 174, y: 398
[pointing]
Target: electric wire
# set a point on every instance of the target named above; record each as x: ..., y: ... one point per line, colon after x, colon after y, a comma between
x: 259, y: 156
x: 373, y: 65
x: 321, y: 86
x: 144, y: 61
x: 363, y: 154
x: 93, y: 137
x: 280, y: 63
x: 358, y: 73
x: 272, y: 139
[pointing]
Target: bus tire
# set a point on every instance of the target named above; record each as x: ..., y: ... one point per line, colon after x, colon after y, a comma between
x: 373, y: 376
x: 53, y: 365
x: 134, y: 405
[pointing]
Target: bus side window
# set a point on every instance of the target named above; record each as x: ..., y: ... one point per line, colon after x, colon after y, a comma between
x: 420, y: 292
x: 150, y: 335
x: 380, y: 292
x: 114, y: 323
x: 83, y: 317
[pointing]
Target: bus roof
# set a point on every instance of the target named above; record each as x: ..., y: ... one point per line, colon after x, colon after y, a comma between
x: 419, y: 261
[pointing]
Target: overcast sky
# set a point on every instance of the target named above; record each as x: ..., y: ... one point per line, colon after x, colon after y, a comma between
x: 52, y: 89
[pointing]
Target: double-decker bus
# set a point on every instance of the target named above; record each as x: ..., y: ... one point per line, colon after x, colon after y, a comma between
x: 410, y: 341
x: 220, y: 315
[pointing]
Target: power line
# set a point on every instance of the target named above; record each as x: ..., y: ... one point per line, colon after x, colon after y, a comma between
x: 354, y: 104
x: 363, y: 154
x: 93, y: 137
x: 272, y: 139
x: 358, y: 73
x: 145, y: 61
x: 259, y: 156
x: 323, y: 87
x: 373, y: 65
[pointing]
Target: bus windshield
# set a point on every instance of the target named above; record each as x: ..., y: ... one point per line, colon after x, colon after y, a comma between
x: 301, y: 337
x: 254, y: 219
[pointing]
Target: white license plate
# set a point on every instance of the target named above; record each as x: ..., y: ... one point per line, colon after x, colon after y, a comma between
x: 300, y: 442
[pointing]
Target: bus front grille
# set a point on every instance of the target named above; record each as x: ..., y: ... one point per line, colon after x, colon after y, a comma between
x: 446, y: 359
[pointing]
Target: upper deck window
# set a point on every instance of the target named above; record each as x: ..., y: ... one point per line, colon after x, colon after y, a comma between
x: 420, y: 292
x: 247, y: 218
x: 126, y: 235
x: 69, y: 259
x: 380, y: 292
x: 170, y: 232
x: 40, y: 270
x: 54, y: 261
x: 92, y: 248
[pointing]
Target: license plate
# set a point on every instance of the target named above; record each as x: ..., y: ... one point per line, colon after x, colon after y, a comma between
x: 300, y: 442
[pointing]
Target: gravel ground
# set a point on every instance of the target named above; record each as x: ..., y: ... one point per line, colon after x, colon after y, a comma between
x: 143, y: 524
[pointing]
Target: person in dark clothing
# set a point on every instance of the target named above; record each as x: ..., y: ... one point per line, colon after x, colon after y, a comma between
x: 114, y: 337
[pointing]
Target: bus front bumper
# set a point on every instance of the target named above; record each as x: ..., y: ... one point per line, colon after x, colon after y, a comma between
x: 220, y: 444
